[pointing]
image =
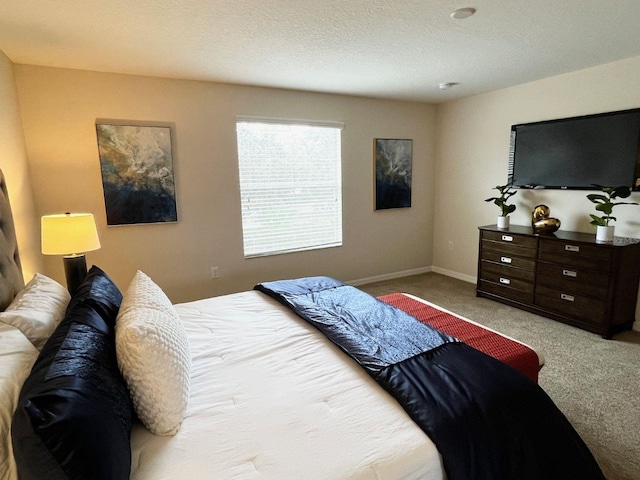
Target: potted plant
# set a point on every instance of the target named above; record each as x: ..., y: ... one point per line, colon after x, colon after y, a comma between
x: 604, y: 203
x: 506, y: 192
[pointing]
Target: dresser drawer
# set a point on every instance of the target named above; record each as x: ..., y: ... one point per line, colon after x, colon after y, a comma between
x: 580, y: 307
x: 574, y: 280
x: 573, y: 287
x: 495, y: 269
x: 502, y: 258
x: 510, y: 239
x: 576, y: 254
x: 576, y: 249
x: 507, y: 249
x: 508, y: 281
x: 575, y: 261
x: 506, y: 292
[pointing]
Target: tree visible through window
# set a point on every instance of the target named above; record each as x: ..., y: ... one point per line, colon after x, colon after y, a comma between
x: 290, y: 185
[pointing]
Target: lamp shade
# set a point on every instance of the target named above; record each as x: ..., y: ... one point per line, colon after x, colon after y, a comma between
x: 69, y: 234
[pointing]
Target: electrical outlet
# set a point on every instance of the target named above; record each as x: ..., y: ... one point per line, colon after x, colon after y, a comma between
x: 450, y: 244
x: 215, y: 272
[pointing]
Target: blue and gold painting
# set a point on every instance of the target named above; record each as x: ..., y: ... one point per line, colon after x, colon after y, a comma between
x: 393, y: 167
x: 137, y: 174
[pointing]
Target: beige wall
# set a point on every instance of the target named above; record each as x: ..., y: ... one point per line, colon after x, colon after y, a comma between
x: 456, y: 163
x: 60, y: 108
x: 13, y: 162
x: 472, y: 155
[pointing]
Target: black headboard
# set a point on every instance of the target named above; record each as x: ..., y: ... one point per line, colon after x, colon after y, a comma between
x: 11, y: 280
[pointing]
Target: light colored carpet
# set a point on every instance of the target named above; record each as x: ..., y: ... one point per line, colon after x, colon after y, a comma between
x: 594, y: 382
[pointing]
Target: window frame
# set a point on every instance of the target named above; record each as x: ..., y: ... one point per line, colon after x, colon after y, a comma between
x: 338, y: 219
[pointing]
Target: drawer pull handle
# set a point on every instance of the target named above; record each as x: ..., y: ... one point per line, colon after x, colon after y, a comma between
x: 505, y: 281
x: 507, y: 238
x: 569, y: 273
x: 572, y: 248
x: 505, y: 259
x: 568, y: 298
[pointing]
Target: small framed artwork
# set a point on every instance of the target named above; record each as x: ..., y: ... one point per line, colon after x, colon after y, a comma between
x: 393, y: 165
x: 136, y: 163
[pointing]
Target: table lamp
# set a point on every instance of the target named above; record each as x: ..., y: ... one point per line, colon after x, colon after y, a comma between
x: 70, y: 235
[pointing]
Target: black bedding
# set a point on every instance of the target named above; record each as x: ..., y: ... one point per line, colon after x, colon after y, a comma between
x: 488, y: 421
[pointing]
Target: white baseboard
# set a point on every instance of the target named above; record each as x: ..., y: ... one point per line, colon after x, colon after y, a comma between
x: 415, y: 271
x: 452, y: 274
x: 389, y: 276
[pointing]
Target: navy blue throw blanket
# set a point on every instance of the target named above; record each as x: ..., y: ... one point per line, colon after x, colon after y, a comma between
x: 488, y: 421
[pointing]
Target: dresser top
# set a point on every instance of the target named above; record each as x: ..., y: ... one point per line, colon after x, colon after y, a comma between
x: 561, y: 235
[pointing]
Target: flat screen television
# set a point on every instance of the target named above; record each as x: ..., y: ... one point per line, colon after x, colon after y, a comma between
x: 577, y: 153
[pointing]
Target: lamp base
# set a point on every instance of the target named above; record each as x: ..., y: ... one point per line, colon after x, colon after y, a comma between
x: 75, y: 269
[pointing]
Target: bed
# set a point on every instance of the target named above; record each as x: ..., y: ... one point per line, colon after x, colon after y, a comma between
x: 242, y: 387
x: 279, y: 372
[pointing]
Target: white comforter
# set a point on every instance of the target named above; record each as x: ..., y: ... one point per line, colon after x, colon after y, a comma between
x: 271, y: 398
x: 17, y: 356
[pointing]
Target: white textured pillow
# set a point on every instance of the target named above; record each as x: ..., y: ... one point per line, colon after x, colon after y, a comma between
x: 153, y: 355
x: 38, y: 309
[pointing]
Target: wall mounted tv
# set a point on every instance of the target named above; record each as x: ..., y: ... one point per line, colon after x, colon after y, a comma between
x: 578, y: 152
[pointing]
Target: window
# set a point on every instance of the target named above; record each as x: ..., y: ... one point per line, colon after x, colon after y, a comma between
x: 290, y: 185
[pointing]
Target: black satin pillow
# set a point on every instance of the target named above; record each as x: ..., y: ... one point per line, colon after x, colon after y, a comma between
x: 74, y: 413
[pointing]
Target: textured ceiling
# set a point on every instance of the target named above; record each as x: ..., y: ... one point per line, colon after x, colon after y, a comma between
x: 377, y: 48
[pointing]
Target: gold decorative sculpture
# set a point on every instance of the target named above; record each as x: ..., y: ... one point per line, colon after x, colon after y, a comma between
x: 541, y: 222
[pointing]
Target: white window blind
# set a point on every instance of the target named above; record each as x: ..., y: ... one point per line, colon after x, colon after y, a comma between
x: 290, y: 185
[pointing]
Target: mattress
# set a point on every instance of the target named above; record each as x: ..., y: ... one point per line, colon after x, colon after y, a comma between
x: 271, y: 398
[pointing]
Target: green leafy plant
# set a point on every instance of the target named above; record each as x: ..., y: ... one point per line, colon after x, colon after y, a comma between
x: 506, y: 192
x: 604, y: 203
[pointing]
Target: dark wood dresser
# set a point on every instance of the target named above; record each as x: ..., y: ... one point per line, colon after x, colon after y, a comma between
x: 565, y: 276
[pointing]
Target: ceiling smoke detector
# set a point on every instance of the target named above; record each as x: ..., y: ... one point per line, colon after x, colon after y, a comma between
x: 447, y: 86
x: 462, y: 13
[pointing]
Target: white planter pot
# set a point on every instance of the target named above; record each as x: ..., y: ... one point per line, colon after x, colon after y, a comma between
x: 503, y: 222
x: 604, y: 234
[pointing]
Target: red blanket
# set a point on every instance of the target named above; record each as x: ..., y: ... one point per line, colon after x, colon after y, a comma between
x: 513, y: 353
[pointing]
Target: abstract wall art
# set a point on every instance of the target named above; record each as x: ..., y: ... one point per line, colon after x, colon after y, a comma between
x: 137, y: 173
x: 393, y: 166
